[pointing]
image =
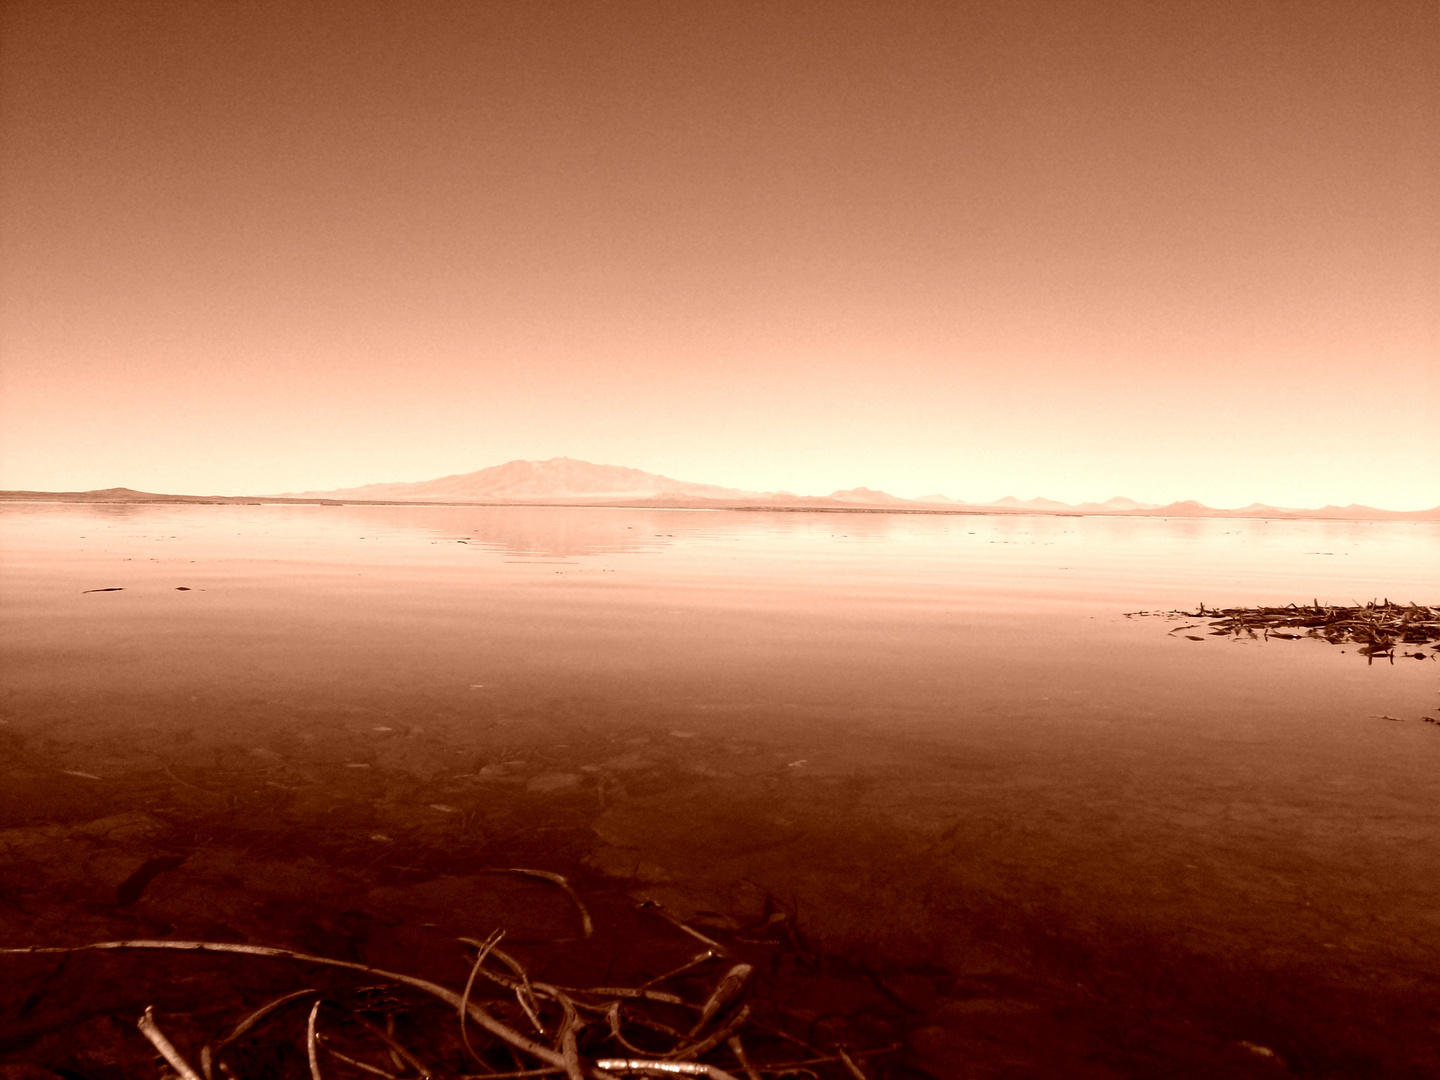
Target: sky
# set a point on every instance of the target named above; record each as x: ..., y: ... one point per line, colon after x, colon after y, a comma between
x: 1157, y: 249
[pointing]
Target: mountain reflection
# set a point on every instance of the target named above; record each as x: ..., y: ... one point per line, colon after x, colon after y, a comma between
x: 547, y: 532
x: 530, y: 532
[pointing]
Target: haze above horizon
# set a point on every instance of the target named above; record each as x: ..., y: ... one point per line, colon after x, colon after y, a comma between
x: 1012, y: 248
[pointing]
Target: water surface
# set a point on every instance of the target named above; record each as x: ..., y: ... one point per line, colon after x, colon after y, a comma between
x: 946, y: 739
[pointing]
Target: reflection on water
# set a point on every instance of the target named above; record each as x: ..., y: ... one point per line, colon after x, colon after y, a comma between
x: 948, y: 714
x: 1243, y: 557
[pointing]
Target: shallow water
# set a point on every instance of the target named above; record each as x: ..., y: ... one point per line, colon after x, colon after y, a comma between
x: 945, y: 739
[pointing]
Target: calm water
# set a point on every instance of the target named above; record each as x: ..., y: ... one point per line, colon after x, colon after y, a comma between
x: 940, y: 736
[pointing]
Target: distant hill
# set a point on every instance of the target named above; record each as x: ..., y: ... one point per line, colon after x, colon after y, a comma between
x: 1119, y: 502
x: 564, y: 480
x: 130, y: 495
x: 869, y: 496
x: 570, y: 481
x: 559, y: 479
x: 1353, y: 512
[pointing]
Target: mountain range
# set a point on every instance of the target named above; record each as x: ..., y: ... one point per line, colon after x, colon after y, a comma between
x: 559, y: 479
x: 566, y: 480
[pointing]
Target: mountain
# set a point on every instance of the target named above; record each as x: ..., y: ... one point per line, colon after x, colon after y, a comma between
x: 870, y: 497
x: 130, y: 495
x: 1117, y: 504
x: 1030, y: 504
x: 559, y: 479
x: 564, y: 480
x: 1353, y: 512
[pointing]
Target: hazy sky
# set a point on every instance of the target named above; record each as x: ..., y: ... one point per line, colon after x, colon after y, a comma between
x: 1079, y: 249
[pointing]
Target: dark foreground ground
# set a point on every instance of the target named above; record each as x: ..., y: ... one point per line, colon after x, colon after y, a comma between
x: 376, y: 842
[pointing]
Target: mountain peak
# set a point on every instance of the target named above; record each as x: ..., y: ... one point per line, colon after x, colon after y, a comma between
x: 1037, y: 503
x: 867, y: 495
x: 557, y: 479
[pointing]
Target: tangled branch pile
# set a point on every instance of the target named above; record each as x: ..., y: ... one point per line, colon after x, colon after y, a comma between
x: 503, y: 1024
x: 1379, y: 627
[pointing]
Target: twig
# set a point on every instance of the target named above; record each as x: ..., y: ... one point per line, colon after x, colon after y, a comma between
x: 569, y: 1040
x: 490, y: 943
x: 705, y: 1045
x: 694, y: 962
x: 395, y: 1058
x: 664, y: 1068
x: 586, y: 925
x: 628, y: 992
x: 259, y: 1014
x: 524, y: 991
x: 850, y: 1065
x: 738, y: 1049
x: 651, y: 905
x: 780, y: 1032
x: 612, y: 1015
x: 655, y: 1025
x: 728, y: 986
x: 310, y: 1046
x: 157, y: 1038
x: 477, y: 1012
x: 550, y: 990
x: 373, y: 1070
x: 399, y: 1054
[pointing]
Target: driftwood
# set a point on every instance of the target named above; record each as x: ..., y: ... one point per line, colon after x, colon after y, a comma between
x: 1380, y: 628
x: 580, y: 1033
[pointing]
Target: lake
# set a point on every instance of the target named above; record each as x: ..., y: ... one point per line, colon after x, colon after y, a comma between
x: 1051, y: 836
